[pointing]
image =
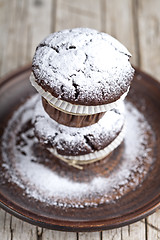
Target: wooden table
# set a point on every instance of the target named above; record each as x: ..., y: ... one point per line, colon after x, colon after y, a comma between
x: 23, y: 24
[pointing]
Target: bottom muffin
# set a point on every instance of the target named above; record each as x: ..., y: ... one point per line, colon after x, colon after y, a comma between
x: 80, y: 145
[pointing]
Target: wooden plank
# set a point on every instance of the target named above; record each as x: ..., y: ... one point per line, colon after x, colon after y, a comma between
x: 134, y: 231
x: 24, y: 24
x: 114, y: 234
x: 130, y: 232
x: 4, y: 30
x: 89, y: 236
x: 22, y: 230
x: 16, y: 229
x: 5, y: 220
x: 71, y: 14
x: 54, y: 235
x: 39, y: 22
x: 14, y: 34
x: 13, y: 228
x: 8, y: 37
x: 149, y: 36
x: 153, y: 226
x: 119, y: 22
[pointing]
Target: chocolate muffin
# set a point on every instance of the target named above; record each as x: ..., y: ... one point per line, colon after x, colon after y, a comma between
x: 80, y: 144
x: 81, y: 72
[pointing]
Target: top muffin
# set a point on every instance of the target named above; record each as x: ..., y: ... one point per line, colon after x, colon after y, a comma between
x: 82, y: 66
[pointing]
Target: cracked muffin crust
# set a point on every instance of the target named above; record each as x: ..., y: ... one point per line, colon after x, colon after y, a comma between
x: 82, y: 67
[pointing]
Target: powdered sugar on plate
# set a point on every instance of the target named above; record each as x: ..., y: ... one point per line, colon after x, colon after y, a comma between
x: 46, y: 185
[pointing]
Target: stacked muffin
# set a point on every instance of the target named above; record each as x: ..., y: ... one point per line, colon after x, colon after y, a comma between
x: 83, y: 77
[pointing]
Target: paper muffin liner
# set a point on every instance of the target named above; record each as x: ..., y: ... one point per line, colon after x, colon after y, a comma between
x: 69, y: 119
x: 77, y: 161
x: 73, y: 108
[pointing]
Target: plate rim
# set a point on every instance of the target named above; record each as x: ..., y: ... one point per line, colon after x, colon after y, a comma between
x: 91, y: 226
x: 75, y: 226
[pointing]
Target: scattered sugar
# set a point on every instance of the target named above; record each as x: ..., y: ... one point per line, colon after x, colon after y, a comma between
x: 45, y: 185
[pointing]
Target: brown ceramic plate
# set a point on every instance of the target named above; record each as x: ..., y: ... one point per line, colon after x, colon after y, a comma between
x: 137, y: 198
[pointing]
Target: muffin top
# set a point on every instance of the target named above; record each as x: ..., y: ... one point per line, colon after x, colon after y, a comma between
x: 82, y: 66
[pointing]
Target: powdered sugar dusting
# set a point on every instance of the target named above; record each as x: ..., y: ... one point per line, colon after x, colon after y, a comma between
x: 83, y: 65
x: 46, y: 185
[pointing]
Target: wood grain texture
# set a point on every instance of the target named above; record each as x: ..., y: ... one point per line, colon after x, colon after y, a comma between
x: 5, y: 222
x: 135, y: 23
x: 39, y: 22
x: 133, y: 231
x: 49, y: 234
x: 71, y: 14
x: 24, y: 24
x: 90, y: 236
x: 153, y: 226
x: 120, y: 23
x: 149, y: 35
x: 21, y: 230
x: 13, y: 228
